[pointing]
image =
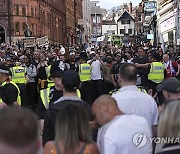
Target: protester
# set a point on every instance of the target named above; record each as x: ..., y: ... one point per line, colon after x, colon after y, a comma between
x: 170, y: 88
x: 18, y: 131
x: 117, y: 131
x: 71, y: 82
x: 73, y: 133
x: 130, y: 100
x: 169, y: 128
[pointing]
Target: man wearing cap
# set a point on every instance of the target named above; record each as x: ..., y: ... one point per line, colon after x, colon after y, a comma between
x: 96, y: 75
x: 9, y: 91
x: 170, y: 88
x: 51, y: 94
x: 71, y: 82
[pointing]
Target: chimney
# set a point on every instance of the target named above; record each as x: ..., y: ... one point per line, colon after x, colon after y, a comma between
x: 130, y: 8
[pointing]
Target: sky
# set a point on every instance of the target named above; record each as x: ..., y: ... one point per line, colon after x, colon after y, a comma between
x: 108, y: 4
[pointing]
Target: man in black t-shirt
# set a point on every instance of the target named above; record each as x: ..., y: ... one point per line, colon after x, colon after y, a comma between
x: 115, y: 70
x: 141, y: 62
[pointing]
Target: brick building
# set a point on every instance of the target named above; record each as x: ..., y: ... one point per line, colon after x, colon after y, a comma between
x: 43, y: 17
x: 73, y: 13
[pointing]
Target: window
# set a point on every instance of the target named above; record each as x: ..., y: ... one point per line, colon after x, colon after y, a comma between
x: 1, y: 8
x: 32, y: 12
x: 130, y: 31
x: 24, y: 26
x: 122, y: 31
x: 32, y: 28
x: 125, y: 21
x: 24, y: 11
x: 16, y: 9
x: 35, y: 12
x: 17, y: 28
x: 94, y: 19
x: 98, y: 19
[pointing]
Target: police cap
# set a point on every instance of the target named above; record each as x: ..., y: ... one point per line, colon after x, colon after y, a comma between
x: 56, y: 70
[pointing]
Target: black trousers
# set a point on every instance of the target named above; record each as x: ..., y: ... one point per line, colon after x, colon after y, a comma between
x: 31, y: 95
x: 85, y: 90
x: 23, y: 94
x: 160, y: 98
x: 97, y: 89
x: 108, y: 87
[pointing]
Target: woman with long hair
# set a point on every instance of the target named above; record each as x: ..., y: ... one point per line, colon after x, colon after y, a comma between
x: 169, y: 128
x: 73, y: 135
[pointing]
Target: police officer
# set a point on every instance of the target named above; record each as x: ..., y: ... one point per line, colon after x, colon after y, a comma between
x: 85, y: 77
x: 9, y: 91
x: 50, y: 94
x: 50, y: 82
x: 155, y: 74
x: 19, y: 77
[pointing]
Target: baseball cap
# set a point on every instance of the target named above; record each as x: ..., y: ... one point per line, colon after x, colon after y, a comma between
x: 56, y: 70
x: 92, y: 52
x: 171, y: 85
x: 71, y: 79
x: 4, y: 69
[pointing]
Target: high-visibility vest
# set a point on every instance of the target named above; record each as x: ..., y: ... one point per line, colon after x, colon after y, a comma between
x: 115, y: 91
x: 85, y: 72
x: 18, y: 97
x: 18, y: 74
x: 44, y: 94
x: 50, y: 82
x: 156, y: 73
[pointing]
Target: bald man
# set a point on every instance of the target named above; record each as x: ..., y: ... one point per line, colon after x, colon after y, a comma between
x: 120, y: 133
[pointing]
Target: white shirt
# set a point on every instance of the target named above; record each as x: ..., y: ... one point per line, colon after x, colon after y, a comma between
x: 96, y: 70
x: 116, y: 137
x: 132, y: 101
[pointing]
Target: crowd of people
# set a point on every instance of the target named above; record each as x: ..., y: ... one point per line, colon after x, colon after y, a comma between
x: 89, y: 100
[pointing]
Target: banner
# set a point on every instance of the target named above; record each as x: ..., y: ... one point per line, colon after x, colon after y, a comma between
x: 43, y: 41
x: 29, y: 42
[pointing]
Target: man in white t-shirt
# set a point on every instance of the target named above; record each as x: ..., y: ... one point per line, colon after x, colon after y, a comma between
x: 120, y: 133
x: 132, y: 101
x: 96, y: 75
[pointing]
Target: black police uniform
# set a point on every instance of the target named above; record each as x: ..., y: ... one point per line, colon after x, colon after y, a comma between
x: 54, y: 95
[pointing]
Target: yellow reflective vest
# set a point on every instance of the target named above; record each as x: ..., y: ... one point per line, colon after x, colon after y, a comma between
x: 156, y: 73
x: 18, y: 97
x: 85, y: 72
x: 50, y: 82
x: 140, y: 89
x: 44, y: 94
x: 18, y: 74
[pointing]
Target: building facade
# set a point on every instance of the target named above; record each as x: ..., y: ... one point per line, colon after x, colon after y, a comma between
x: 168, y: 22
x: 109, y: 27
x: 96, y: 21
x: 41, y: 17
x: 85, y: 22
x: 73, y: 13
x: 126, y: 25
